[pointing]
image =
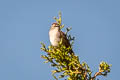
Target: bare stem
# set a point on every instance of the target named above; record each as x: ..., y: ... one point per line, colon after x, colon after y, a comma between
x: 96, y: 74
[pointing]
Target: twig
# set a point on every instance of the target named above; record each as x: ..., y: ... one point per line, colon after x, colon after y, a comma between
x: 96, y: 74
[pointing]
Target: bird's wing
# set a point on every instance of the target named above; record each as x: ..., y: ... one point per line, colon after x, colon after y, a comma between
x: 65, y: 40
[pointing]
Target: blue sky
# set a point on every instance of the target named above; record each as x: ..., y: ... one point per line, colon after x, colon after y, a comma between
x: 25, y: 23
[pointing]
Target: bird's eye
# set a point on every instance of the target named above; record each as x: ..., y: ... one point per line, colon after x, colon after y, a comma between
x: 56, y: 25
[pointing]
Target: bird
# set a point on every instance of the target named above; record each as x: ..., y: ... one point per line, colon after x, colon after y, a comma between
x: 55, y: 36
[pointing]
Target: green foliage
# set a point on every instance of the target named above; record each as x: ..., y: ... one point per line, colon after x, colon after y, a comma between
x: 104, y: 68
x: 59, y: 20
x: 68, y: 65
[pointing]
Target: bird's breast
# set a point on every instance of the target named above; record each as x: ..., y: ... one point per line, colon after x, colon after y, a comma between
x: 54, y: 36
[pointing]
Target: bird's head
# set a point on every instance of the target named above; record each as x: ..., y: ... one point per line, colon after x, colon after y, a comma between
x: 55, y: 25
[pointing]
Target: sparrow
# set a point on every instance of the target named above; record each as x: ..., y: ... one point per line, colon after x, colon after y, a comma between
x: 55, y: 36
